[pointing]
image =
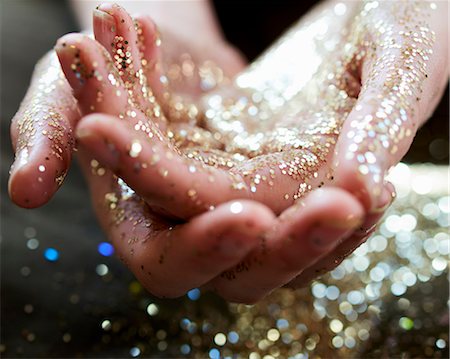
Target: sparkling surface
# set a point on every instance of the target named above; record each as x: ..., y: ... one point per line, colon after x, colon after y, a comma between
x: 344, y: 314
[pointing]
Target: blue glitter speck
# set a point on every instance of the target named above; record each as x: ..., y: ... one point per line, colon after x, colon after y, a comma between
x: 185, y: 349
x: 214, y: 354
x: 105, y: 249
x: 51, y: 254
x: 194, y: 294
x: 233, y: 337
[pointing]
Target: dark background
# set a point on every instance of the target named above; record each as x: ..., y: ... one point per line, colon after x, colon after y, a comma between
x: 68, y: 294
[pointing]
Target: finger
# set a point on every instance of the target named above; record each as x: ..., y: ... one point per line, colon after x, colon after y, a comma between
x: 135, y: 56
x: 182, y: 185
x: 41, y: 133
x: 98, y: 87
x: 382, y: 125
x: 155, y: 170
x: 93, y: 77
x: 150, y: 47
x: 168, y: 258
x: 194, y: 253
x: 335, y: 258
x: 97, y: 84
x: 304, y: 234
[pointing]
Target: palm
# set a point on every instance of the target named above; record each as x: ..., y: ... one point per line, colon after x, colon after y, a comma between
x: 215, y: 132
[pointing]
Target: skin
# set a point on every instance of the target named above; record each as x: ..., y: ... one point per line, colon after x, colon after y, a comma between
x: 288, y: 249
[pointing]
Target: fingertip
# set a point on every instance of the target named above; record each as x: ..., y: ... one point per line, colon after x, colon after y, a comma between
x: 67, y: 49
x: 246, y: 215
x: 33, y: 184
x: 236, y: 226
x: 89, y: 123
x: 94, y: 133
x: 103, y: 24
x: 362, y: 180
x: 333, y: 202
x: 108, y: 7
x: 327, y: 214
x: 149, y: 26
x: 386, y: 198
x: 65, y: 42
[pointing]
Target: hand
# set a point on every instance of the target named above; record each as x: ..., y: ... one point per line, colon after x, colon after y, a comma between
x: 383, y: 199
x: 273, y: 161
x: 403, y: 67
x: 266, y: 251
x: 42, y: 130
x: 403, y: 70
x: 348, y: 241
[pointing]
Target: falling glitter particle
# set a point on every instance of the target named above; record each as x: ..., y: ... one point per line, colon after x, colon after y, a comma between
x: 233, y: 337
x: 185, y: 349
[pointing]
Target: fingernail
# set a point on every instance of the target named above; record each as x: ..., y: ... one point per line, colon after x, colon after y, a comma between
x: 106, y: 20
x: 375, y: 186
x: 82, y: 132
x: 384, y: 201
x: 20, y: 160
x: 324, y: 235
x: 70, y: 58
x: 106, y: 7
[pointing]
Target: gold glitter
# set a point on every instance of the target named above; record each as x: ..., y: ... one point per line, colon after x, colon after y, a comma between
x: 191, y: 192
x: 135, y: 149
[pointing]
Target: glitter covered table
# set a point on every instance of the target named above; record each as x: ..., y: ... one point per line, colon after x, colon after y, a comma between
x: 387, y: 299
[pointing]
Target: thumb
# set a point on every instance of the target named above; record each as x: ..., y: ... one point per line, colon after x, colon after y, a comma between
x: 41, y: 133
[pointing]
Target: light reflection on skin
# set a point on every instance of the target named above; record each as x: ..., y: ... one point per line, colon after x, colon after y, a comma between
x: 294, y: 59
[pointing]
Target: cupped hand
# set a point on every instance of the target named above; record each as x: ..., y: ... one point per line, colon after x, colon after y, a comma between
x: 229, y: 282
x: 239, y: 249
x: 270, y: 133
x: 227, y: 145
x: 354, y: 59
